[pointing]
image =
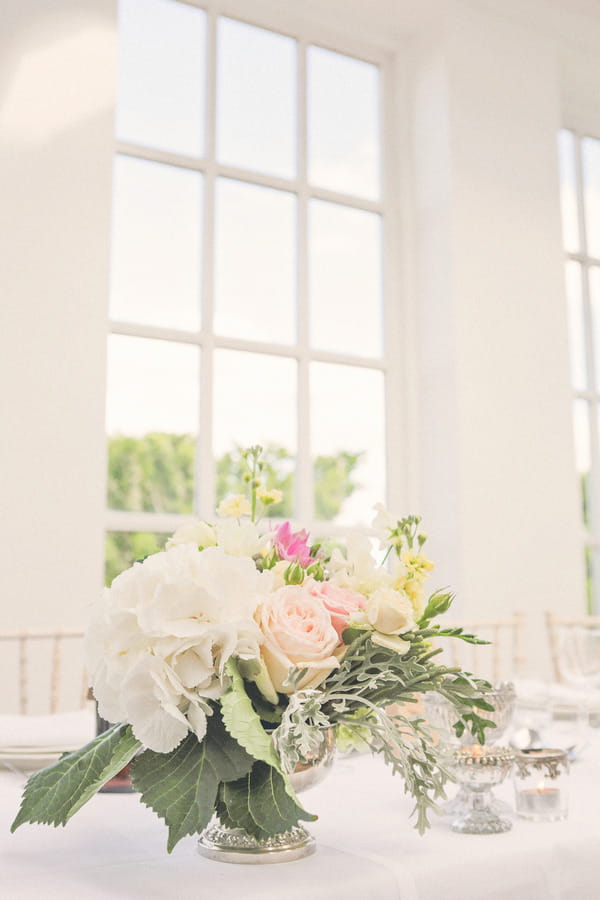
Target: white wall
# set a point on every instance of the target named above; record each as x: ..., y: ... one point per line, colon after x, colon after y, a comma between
x: 498, y: 484
x: 56, y: 99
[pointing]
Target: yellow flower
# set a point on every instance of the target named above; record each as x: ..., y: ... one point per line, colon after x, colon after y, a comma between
x: 414, y: 591
x: 269, y: 496
x: 234, y: 506
x: 416, y: 562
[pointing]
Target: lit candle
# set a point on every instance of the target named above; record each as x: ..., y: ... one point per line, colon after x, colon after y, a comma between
x: 539, y: 801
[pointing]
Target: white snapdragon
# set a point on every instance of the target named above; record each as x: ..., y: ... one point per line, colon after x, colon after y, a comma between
x: 240, y: 537
x: 200, y: 533
x: 358, y: 570
x: 236, y: 505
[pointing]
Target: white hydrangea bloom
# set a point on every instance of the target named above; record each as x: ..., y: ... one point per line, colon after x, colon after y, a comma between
x: 160, y: 636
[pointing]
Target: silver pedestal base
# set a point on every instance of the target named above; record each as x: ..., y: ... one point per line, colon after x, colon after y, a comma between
x: 234, y: 845
x: 474, y: 823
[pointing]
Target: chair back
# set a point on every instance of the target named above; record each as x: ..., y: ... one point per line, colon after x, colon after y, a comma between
x: 42, y: 670
x: 554, y: 625
x: 501, y: 660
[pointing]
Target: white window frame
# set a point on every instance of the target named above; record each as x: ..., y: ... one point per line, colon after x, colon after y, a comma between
x: 590, y: 538
x: 396, y: 330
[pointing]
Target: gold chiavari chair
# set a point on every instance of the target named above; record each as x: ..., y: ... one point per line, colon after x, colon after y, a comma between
x: 46, y: 642
x: 501, y: 660
x: 555, y: 624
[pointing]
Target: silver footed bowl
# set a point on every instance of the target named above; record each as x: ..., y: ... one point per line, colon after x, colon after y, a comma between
x: 235, y: 845
x: 478, y: 769
x: 442, y: 715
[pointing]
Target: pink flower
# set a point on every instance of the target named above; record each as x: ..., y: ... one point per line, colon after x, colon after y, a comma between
x: 297, y: 631
x: 292, y: 545
x: 339, y: 602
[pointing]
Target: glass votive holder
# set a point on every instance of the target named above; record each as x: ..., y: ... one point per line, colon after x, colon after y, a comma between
x: 540, y: 780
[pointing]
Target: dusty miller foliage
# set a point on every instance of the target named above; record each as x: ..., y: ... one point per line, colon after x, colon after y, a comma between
x: 361, y: 694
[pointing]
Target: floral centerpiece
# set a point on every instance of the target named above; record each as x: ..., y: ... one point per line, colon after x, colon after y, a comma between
x: 226, y: 659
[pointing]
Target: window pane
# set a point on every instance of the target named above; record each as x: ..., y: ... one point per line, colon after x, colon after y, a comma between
x: 256, y: 99
x: 255, y: 278
x: 568, y: 190
x: 123, y: 548
x: 156, y: 244
x: 348, y: 442
x: 589, y: 580
x: 594, y: 286
x: 162, y: 60
x: 255, y: 403
x: 581, y: 424
x: 152, y: 414
x: 590, y: 150
x: 343, y: 123
x: 576, y: 325
x: 345, y: 279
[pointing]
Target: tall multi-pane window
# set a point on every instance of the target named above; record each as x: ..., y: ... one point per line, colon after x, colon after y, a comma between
x: 580, y: 196
x: 247, y: 285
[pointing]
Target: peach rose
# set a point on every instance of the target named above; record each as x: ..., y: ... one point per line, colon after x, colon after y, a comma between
x: 297, y: 631
x: 340, y: 602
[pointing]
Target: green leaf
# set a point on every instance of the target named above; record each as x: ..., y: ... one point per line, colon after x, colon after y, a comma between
x: 181, y: 786
x: 55, y: 794
x: 236, y: 813
x: 243, y: 723
x: 260, y: 803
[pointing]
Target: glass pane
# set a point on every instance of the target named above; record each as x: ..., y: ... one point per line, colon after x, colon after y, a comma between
x: 594, y: 286
x: 590, y: 150
x: 256, y: 99
x: 162, y: 62
x: 343, y: 123
x: 589, y: 580
x: 581, y: 424
x: 568, y: 190
x: 255, y: 276
x: 156, y: 244
x: 152, y: 420
x: 576, y: 325
x: 123, y: 548
x: 348, y: 442
x: 255, y: 403
x: 345, y: 279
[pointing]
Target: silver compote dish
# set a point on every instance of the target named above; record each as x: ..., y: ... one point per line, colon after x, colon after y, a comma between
x: 478, y: 769
x: 236, y: 845
x: 442, y: 716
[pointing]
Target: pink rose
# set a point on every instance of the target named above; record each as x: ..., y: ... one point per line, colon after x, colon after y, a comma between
x: 340, y: 602
x: 297, y: 631
x: 292, y: 545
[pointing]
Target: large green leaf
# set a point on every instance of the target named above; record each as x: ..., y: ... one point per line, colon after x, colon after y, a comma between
x: 53, y: 795
x: 181, y: 786
x: 261, y: 804
x: 243, y: 723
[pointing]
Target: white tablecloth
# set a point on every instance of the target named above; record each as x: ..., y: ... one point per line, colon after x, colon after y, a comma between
x: 367, y: 850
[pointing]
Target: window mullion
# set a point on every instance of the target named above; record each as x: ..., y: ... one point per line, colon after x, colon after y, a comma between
x: 304, y: 485
x: 205, y: 465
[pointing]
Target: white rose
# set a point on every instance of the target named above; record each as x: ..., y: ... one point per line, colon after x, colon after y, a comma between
x: 390, y: 612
